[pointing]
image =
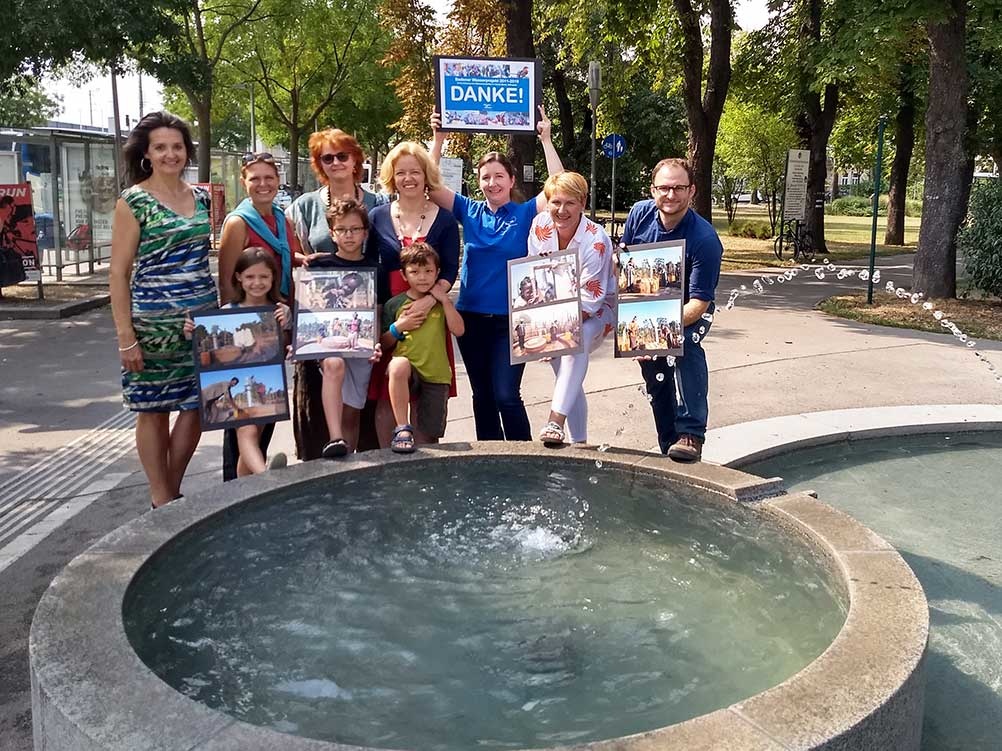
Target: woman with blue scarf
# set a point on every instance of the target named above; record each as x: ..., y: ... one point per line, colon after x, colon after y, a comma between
x: 256, y: 222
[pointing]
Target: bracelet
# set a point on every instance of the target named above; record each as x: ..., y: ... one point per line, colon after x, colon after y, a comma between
x: 131, y: 346
x: 397, y: 333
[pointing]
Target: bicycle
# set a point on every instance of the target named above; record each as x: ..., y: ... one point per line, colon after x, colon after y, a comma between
x: 799, y: 239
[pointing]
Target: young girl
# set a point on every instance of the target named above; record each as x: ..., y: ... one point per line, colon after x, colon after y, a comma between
x: 255, y: 284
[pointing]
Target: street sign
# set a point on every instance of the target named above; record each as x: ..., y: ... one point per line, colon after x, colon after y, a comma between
x: 795, y: 196
x: 614, y: 146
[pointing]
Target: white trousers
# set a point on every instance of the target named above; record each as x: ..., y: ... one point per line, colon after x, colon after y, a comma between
x: 570, y: 370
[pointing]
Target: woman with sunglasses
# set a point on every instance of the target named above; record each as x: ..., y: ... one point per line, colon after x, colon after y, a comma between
x: 495, y: 230
x: 256, y: 222
x: 337, y: 160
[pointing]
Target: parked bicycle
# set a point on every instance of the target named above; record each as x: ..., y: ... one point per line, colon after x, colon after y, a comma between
x: 797, y: 240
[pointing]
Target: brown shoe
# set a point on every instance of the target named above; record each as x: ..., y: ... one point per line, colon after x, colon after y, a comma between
x: 688, y: 448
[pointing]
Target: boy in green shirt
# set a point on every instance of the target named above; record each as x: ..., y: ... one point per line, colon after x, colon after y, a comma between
x: 419, y: 360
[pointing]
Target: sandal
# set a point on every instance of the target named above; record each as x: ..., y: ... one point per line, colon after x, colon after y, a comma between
x: 552, y: 434
x: 403, y: 444
x: 335, y: 449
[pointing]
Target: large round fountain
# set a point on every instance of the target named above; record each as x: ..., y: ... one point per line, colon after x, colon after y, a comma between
x: 468, y: 598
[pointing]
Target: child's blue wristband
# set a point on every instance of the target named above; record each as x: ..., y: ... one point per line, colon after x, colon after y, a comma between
x: 396, y: 333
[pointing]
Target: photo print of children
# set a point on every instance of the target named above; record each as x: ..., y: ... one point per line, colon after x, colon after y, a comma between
x: 649, y: 327
x: 655, y: 270
x: 335, y: 289
x: 326, y: 333
x: 237, y: 337
x: 547, y: 331
x: 542, y: 280
x: 243, y: 396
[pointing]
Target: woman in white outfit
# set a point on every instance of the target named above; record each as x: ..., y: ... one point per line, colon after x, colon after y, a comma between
x: 564, y: 227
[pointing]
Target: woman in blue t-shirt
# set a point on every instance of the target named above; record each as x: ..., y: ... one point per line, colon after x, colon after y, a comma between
x: 495, y: 230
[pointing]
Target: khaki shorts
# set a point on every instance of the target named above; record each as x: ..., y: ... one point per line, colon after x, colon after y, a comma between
x: 432, y: 402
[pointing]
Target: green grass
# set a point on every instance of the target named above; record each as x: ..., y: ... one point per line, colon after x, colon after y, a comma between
x: 847, y: 237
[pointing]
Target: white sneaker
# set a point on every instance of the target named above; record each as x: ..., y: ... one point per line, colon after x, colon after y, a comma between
x: 278, y: 461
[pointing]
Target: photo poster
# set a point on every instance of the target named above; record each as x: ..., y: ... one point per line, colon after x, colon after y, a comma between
x: 488, y: 94
x: 240, y: 367
x: 335, y: 313
x: 18, y: 242
x: 544, y: 307
x: 651, y: 281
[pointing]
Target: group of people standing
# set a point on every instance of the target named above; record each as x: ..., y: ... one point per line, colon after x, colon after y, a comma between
x: 160, y: 274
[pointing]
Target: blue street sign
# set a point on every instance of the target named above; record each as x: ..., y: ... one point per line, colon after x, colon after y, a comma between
x: 614, y: 146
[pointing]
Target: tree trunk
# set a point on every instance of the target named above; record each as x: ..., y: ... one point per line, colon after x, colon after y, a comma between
x: 703, y: 110
x: 755, y: 199
x: 518, y: 33
x: 292, y: 174
x: 904, y: 145
x: 835, y: 185
x: 947, y: 171
x: 201, y: 105
x: 565, y: 110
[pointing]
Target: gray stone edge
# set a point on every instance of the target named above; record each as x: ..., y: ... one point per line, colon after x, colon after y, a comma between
x: 91, y: 690
x: 52, y: 312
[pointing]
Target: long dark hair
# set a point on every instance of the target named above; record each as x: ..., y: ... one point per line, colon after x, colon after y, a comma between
x: 504, y: 161
x: 134, y: 151
x: 251, y: 257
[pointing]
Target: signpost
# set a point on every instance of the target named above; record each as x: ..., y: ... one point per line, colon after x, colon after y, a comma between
x: 594, y: 88
x: 452, y: 173
x: 613, y: 146
x: 798, y: 162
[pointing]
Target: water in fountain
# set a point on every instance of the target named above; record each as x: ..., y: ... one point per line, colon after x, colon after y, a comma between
x: 492, y: 606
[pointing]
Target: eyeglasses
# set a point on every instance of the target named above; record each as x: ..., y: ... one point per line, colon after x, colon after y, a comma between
x: 666, y: 189
x: 348, y: 231
x: 341, y: 156
x: 258, y: 156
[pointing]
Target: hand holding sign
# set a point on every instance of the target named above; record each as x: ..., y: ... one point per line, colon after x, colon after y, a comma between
x: 544, y: 126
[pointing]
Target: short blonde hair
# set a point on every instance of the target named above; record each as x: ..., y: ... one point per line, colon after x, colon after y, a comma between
x: 432, y: 174
x: 571, y: 183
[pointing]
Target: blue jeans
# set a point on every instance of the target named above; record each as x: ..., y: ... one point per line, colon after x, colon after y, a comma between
x: 689, y: 412
x: 498, y: 411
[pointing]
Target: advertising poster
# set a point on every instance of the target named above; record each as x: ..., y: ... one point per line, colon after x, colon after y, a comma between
x: 335, y: 313
x: 544, y: 306
x: 240, y: 369
x: 649, y: 301
x: 18, y: 246
x: 488, y: 95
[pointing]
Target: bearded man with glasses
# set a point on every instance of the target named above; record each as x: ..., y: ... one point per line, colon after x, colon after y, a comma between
x: 680, y: 419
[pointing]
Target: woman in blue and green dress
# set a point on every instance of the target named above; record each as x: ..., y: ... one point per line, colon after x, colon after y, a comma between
x: 160, y: 273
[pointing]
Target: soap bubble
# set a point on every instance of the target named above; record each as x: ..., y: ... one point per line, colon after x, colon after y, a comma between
x: 938, y: 315
x: 768, y: 279
x: 876, y: 276
x: 598, y: 464
x: 604, y: 447
x: 707, y: 316
x: 927, y: 305
x: 593, y: 480
x: 830, y: 266
x: 695, y: 338
x: 702, y: 330
x: 915, y: 299
x: 825, y: 261
x: 670, y: 360
x: 781, y: 279
x: 805, y: 267
x: 901, y: 292
x: 744, y: 287
x: 864, y: 275
x: 819, y: 273
x: 972, y: 344
x: 660, y: 376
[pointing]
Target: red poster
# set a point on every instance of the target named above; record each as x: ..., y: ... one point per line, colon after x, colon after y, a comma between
x: 18, y: 245
x: 217, y: 210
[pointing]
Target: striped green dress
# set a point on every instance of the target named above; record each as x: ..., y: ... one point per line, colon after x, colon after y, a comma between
x: 171, y: 277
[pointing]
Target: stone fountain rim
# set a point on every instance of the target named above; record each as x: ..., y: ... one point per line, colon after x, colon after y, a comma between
x: 90, y: 690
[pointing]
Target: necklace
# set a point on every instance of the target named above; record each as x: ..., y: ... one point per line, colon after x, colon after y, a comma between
x: 330, y: 200
x: 398, y: 222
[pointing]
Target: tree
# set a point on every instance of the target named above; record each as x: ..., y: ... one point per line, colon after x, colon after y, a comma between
x: 948, y: 166
x: 188, y: 57
x: 412, y: 29
x: 754, y: 143
x: 31, y: 107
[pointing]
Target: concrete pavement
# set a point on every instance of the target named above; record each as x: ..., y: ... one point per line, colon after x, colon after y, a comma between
x: 65, y: 445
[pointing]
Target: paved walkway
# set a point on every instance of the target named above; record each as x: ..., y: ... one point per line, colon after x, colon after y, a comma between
x: 69, y: 474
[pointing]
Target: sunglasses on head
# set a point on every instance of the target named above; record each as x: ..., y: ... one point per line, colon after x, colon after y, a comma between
x: 341, y: 156
x: 259, y: 156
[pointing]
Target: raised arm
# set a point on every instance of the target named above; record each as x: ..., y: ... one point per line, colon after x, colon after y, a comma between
x: 553, y: 163
x: 444, y: 197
